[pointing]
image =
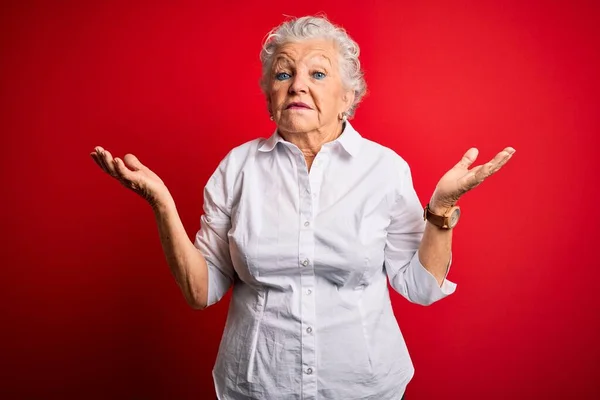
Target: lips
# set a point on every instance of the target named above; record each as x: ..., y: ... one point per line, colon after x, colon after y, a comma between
x: 297, y: 105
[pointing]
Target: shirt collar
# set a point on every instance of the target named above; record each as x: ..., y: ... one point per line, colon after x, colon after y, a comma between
x: 350, y: 140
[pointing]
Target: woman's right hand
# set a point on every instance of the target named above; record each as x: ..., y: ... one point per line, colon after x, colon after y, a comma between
x: 133, y: 175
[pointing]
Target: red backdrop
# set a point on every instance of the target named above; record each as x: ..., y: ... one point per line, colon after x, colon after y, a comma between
x: 89, y: 307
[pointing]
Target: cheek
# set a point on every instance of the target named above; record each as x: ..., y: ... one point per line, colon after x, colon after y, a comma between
x: 277, y: 95
x: 327, y: 96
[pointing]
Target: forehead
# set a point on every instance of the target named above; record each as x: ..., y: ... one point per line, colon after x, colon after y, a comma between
x: 307, y: 50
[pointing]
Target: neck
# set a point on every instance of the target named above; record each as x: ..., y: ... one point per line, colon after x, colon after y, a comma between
x: 310, y: 143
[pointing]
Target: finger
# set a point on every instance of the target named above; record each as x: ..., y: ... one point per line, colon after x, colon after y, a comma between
x: 108, y: 161
x: 123, y: 173
x: 96, y: 159
x: 472, y: 179
x: 498, y: 161
x: 480, y: 173
x: 130, y: 179
x: 468, y: 158
x: 100, y: 155
x: 133, y: 162
x: 510, y: 150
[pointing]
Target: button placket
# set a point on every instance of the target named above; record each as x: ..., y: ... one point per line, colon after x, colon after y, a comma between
x: 306, y: 263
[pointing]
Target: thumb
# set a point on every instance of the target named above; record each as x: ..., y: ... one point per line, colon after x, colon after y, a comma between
x: 132, y: 162
x: 468, y: 158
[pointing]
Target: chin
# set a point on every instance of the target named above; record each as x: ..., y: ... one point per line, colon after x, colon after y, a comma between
x: 297, y: 126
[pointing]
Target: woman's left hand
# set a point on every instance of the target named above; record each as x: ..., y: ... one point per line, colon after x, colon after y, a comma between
x: 460, y: 179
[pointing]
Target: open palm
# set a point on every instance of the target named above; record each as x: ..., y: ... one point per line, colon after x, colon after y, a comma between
x: 460, y: 179
x: 132, y: 174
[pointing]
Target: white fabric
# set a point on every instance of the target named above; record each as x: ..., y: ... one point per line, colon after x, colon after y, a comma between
x: 309, y: 256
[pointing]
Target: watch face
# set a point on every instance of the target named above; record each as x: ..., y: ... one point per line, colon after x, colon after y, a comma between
x: 453, y: 220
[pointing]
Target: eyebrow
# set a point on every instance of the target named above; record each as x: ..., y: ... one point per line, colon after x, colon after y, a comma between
x: 326, y: 58
x: 284, y: 58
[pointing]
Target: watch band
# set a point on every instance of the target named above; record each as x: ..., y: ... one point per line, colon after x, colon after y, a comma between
x: 441, y: 221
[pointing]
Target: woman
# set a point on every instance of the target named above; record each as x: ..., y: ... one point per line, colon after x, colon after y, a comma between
x: 308, y: 226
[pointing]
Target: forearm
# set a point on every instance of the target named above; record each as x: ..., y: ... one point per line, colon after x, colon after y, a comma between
x: 435, y: 251
x: 186, y: 262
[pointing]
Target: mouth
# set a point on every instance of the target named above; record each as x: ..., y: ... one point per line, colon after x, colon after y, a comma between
x: 297, y: 105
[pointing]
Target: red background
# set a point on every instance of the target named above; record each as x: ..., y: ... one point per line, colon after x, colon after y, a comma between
x: 89, y: 307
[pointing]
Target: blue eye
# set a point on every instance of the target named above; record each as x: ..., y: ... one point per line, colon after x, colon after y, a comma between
x: 319, y: 75
x: 282, y: 76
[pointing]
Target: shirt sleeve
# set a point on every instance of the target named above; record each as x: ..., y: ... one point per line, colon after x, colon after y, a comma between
x: 215, y: 223
x: 405, y: 272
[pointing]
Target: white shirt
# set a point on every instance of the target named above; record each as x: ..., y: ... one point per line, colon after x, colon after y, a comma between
x: 309, y: 255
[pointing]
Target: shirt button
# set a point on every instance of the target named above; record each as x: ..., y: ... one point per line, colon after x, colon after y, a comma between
x: 309, y: 329
x: 306, y: 223
x: 305, y: 262
x: 309, y: 371
x: 308, y: 291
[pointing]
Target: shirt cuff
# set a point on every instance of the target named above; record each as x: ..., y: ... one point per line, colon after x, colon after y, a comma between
x: 429, y: 289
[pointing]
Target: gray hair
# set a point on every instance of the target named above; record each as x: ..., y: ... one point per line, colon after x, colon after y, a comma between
x: 310, y: 27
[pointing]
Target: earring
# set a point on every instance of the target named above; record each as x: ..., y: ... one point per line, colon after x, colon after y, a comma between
x: 343, y: 117
x: 271, y: 118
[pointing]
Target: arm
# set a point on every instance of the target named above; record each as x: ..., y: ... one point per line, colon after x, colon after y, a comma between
x: 187, y: 264
x: 407, y: 236
x: 201, y: 269
x: 436, y: 245
x: 435, y: 249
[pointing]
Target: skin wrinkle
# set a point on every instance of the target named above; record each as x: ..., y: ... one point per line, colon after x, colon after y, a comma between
x: 327, y: 97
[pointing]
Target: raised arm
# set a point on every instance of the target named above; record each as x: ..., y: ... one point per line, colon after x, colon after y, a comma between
x: 436, y: 244
x: 186, y: 262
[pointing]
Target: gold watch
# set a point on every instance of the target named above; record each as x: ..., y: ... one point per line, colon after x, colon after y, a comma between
x: 446, y: 221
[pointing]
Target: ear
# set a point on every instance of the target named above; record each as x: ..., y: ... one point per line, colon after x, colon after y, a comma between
x: 348, y: 99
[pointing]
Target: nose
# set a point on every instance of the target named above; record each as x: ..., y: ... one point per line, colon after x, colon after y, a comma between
x: 299, y: 84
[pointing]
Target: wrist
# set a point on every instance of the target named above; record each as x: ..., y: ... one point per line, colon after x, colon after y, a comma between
x: 442, y: 217
x: 439, y: 208
x: 439, y: 205
x: 162, y: 203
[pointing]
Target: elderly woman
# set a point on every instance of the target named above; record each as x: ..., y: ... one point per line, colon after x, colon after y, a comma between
x: 308, y: 227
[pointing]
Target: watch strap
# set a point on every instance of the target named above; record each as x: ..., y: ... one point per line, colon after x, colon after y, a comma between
x: 441, y: 221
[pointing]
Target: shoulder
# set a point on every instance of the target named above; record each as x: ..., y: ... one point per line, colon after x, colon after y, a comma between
x: 238, y: 156
x: 243, y: 151
x: 222, y: 182
x: 388, y: 164
x: 387, y: 156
